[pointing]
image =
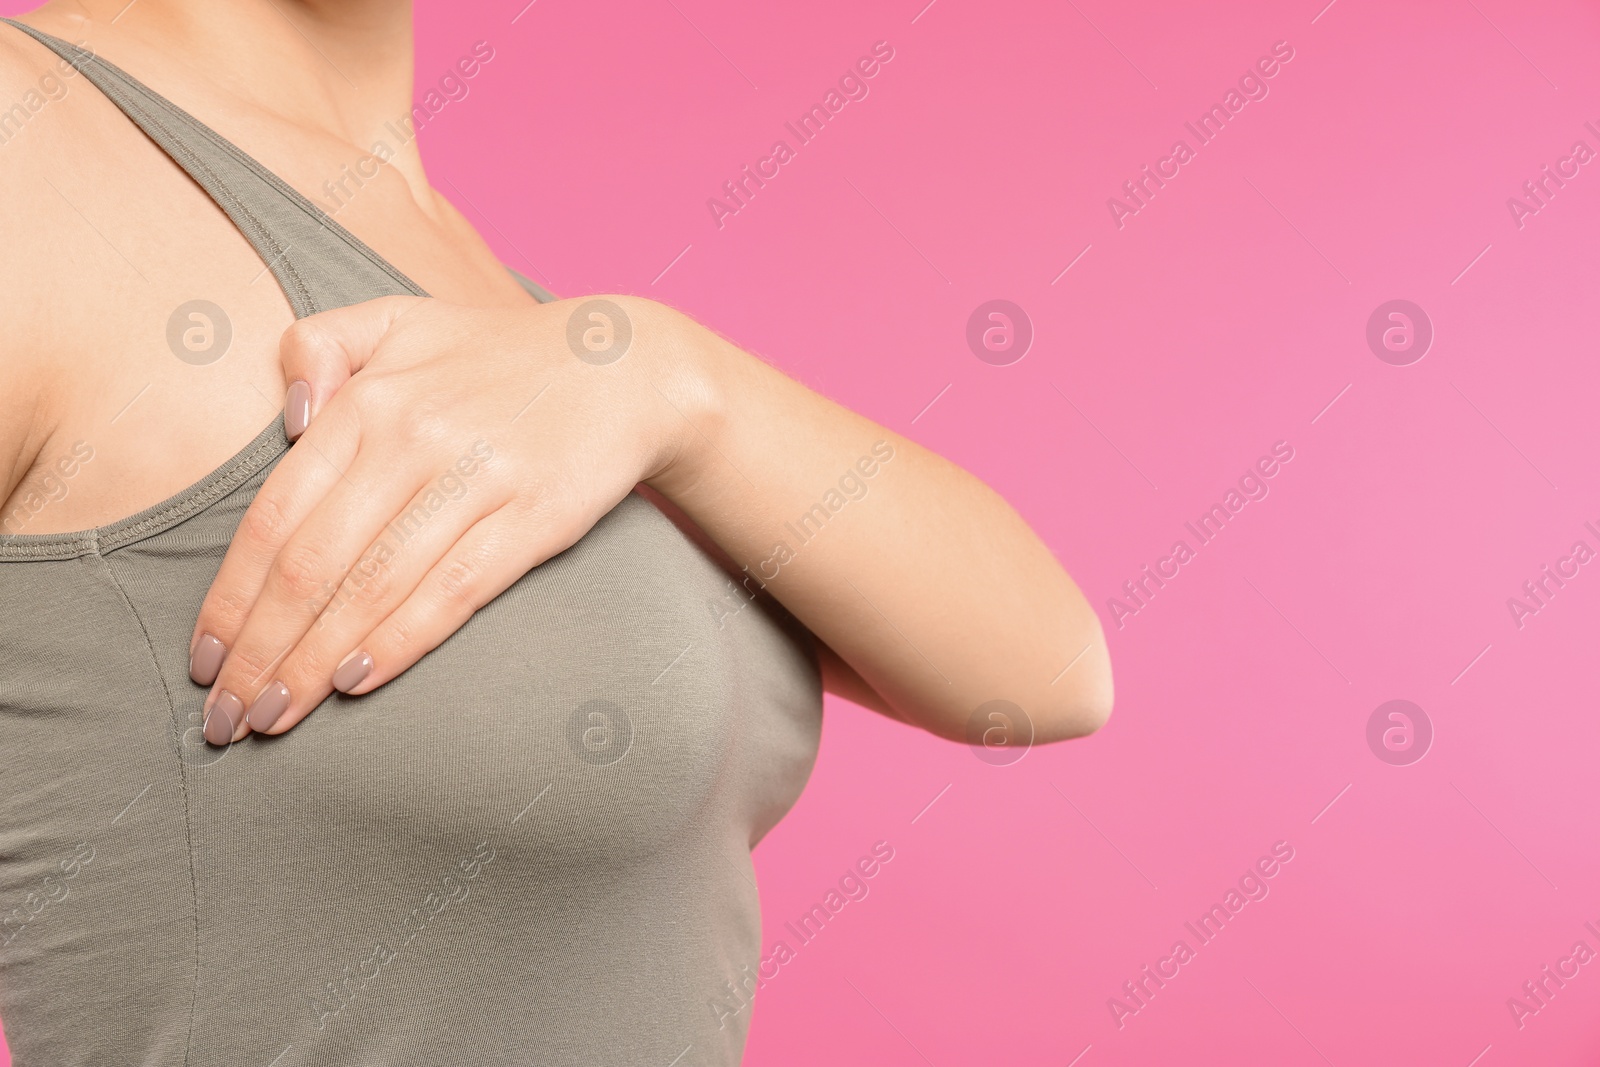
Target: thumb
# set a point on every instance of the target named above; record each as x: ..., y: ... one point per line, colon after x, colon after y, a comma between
x: 321, y: 352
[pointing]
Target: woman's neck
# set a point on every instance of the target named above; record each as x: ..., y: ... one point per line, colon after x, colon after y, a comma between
x: 343, y: 67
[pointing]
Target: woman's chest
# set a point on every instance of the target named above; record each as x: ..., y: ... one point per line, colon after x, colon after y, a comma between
x: 151, y: 341
x: 605, y: 704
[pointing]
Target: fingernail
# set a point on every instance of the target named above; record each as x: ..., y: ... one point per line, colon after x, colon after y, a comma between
x: 206, y: 660
x: 222, y: 721
x: 269, y: 707
x: 353, y: 671
x: 297, y: 409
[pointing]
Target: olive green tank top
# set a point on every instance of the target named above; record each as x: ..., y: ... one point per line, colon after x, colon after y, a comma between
x: 531, y: 848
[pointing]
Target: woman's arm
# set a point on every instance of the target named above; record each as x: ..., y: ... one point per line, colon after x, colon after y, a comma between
x: 920, y: 577
x: 930, y: 593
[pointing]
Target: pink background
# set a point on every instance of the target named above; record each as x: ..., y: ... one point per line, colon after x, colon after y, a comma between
x: 1221, y: 319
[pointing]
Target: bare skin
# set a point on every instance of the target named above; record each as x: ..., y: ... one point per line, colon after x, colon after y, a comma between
x: 931, y: 596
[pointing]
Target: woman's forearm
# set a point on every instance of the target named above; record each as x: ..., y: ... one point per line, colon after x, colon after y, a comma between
x: 920, y: 577
x: 931, y: 597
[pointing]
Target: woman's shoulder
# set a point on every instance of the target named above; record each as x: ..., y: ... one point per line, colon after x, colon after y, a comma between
x: 53, y: 125
x: 37, y: 111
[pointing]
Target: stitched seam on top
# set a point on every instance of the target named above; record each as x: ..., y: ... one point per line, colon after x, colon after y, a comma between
x: 244, y: 469
x: 183, y: 789
x: 106, y: 539
x: 78, y: 546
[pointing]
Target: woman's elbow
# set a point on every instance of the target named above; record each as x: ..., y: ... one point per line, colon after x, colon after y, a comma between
x: 1079, y: 701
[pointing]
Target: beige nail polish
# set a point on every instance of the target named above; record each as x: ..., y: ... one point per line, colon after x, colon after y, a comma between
x: 222, y: 721
x: 269, y: 707
x: 296, y: 409
x: 353, y: 671
x: 206, y: 660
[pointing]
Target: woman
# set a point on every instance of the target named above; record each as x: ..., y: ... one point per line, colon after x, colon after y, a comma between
x: 520, y: 830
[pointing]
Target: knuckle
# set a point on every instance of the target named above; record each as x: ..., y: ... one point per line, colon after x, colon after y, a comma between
x: 299, y: 576
x: 426, y: 425
x: 308, y: 337
x: 226, y: 611
x: 312, y: 663
x: 369, y: 583
x: 266, y: 521
x: 460, y: 578
x: 399, y: 638
x: 249, y: 663
x: 537, y: 497
x: 388, y: 405
x: 368, y: 392
x: 551, y: 504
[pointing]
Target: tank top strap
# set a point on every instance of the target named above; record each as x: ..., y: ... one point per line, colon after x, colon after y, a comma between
x: 319, y: 263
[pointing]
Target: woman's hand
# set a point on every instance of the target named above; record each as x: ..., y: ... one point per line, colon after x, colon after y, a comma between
x: 450, y: 450
x: 466, y: 447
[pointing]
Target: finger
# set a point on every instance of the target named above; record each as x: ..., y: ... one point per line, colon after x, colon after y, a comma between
x: 388, y: 572
x: 321, y: 352
x: 484, y: 563
x: 303, y: 578
x: 302, y: 479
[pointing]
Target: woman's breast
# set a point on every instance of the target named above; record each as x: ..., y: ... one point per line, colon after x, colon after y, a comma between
x: 602, y: 690
x: 600, y: 706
